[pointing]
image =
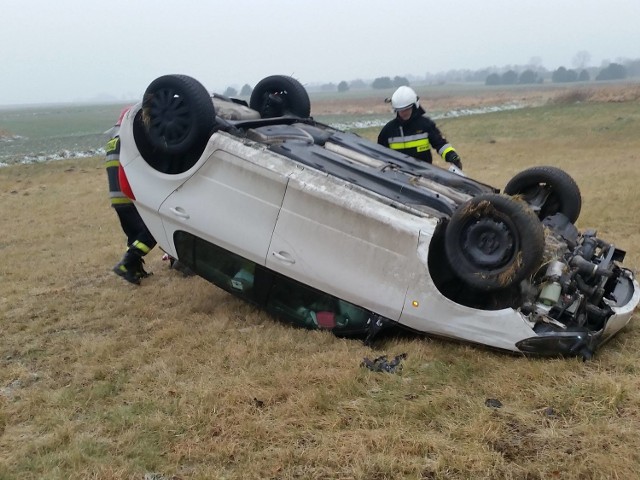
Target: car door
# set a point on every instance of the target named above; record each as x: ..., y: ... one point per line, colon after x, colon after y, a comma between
x: 231, y: 201
x: 332, y: 236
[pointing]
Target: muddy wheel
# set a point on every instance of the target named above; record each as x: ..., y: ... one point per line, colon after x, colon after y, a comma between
x: 494, y: 241
x: 175, y: 123
x: 547, y: 190
x: 280, y: 95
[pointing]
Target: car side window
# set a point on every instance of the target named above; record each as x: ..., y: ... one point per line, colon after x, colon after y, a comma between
x: 310, y: 308
x: 227, y: 270
x: 283, y: 297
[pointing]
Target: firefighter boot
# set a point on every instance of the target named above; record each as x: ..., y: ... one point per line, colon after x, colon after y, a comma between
x: 130, y: 267
x: 142, y: 273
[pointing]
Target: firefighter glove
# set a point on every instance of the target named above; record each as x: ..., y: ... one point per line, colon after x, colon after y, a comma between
x: 454, y: 158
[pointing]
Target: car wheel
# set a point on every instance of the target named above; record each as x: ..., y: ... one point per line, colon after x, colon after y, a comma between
x: 494, y: 241
x: 178, y: 115
x: 547, y: 190
x: 280, y: 95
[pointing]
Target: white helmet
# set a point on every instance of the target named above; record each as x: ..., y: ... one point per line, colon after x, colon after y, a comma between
x: 404, y: 97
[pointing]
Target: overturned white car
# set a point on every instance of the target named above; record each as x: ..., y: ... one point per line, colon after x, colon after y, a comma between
x: 326, y: 229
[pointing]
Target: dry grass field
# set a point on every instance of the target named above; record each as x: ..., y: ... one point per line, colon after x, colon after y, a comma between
x: 176, y: 379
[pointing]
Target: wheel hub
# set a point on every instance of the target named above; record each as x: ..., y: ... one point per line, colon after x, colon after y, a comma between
x: 170, y: 115
x: 489, y: 243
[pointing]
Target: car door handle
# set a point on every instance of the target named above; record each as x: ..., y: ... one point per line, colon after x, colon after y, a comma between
x: 179, y: 212
x: 284, y: 257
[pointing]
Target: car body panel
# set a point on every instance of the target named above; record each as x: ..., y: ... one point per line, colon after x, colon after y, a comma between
x: 334, y: 238
x: 240, y: 198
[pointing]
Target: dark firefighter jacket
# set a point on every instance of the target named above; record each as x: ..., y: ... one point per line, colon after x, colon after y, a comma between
x: 112, y: 163
x: 415, y: 137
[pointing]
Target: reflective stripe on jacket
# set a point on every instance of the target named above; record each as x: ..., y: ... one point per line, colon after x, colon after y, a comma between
x: 415, y: 137
x: 419, y: 141
x: 112, y: 164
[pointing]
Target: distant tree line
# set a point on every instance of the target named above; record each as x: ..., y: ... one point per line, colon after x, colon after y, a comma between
x: 532, y: 73
x: 613, y: 71
x: 563, y: 75
x: 245, y: 91
x: 386, y: 82
x: 510, y: 77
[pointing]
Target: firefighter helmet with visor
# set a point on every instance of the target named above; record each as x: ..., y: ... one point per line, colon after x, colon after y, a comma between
x: 404, y: 97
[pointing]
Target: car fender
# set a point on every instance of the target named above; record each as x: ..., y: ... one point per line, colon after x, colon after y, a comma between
x: 427, y: 310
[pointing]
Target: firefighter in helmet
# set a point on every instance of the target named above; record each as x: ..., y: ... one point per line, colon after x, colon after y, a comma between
x: 413, y: 133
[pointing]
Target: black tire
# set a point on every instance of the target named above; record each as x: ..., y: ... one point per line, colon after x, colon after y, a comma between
x: 280, y: 95
x: 494, y: 241
x: 547, y: 190
x: 178, y: 115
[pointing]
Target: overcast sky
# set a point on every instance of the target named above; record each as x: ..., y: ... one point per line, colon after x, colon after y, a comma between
x: 69, y: 50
